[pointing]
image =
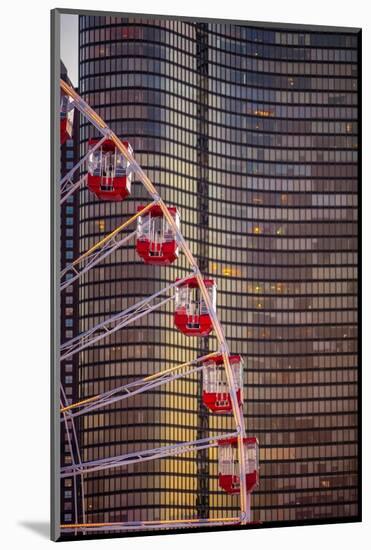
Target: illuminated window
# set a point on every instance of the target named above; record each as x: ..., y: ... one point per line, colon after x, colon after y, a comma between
x: 284, y: 199
x: 231, y: 271
x: 262, y: 113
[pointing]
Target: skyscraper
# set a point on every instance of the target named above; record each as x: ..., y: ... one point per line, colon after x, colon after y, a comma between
x: 252, y: 133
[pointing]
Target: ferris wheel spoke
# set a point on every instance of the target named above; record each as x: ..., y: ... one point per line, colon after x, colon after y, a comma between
x: 138, y: 386
x: 68, y: 176
x: 71, y: 433
x: 70, y: 187
x: 95, y: 259
x: 140, y: 525
x: 104, y: 401
x: 112, y: 234
x: 118, y: 321
x: 143, y: 456
x: 100, y: 250
x: 104, y: 330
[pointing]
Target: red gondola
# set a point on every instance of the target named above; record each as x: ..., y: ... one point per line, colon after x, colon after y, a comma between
x: 215, y: 391
x: 108, y: 171
x: 229, y: 477
x: 156, y: 241
x: 191, y: 314
x: 67, y: 112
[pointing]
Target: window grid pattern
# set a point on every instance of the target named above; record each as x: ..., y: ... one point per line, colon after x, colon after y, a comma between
x: 282, y: 245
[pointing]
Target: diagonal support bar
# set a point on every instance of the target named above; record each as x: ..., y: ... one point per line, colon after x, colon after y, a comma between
x: 116, y: 322
x: 142, y: 456
x: 113, y: 233
x: 70, y: 187
x: 140, y: 525
x: 95, y: 259
x: 138, y: 386
x: 70, y: 422
x: 69, y: 174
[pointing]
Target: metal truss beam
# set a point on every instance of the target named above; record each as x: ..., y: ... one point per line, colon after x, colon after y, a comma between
x: 114, y: 233
x: 100, y: 250
x: 71, y: 187
x: 141, y: 525
x: 70, y: 423
x: 67, y: 187
x: 118, y: 321
x: 95, y: 259
x: 143, y: 456
x: 133, y: 388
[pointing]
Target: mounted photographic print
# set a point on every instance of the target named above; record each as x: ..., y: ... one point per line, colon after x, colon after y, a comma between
x: 205, y: 224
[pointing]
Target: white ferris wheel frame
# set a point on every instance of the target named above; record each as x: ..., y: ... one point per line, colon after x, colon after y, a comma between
x: 75, y: 270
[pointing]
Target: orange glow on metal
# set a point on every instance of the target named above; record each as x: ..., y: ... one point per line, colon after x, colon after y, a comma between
x: 146, y: 379
x: 178, y: 367
x: 83, y: 402
x: 152, y: 522
x: 113, y: 233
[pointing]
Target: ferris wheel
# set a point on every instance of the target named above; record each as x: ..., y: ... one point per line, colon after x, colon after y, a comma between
x: 110, y: 165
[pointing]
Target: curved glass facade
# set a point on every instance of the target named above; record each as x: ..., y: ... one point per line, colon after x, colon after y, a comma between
x: 283, y: 181
x: 142, y: 80
x: 252, y: 134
